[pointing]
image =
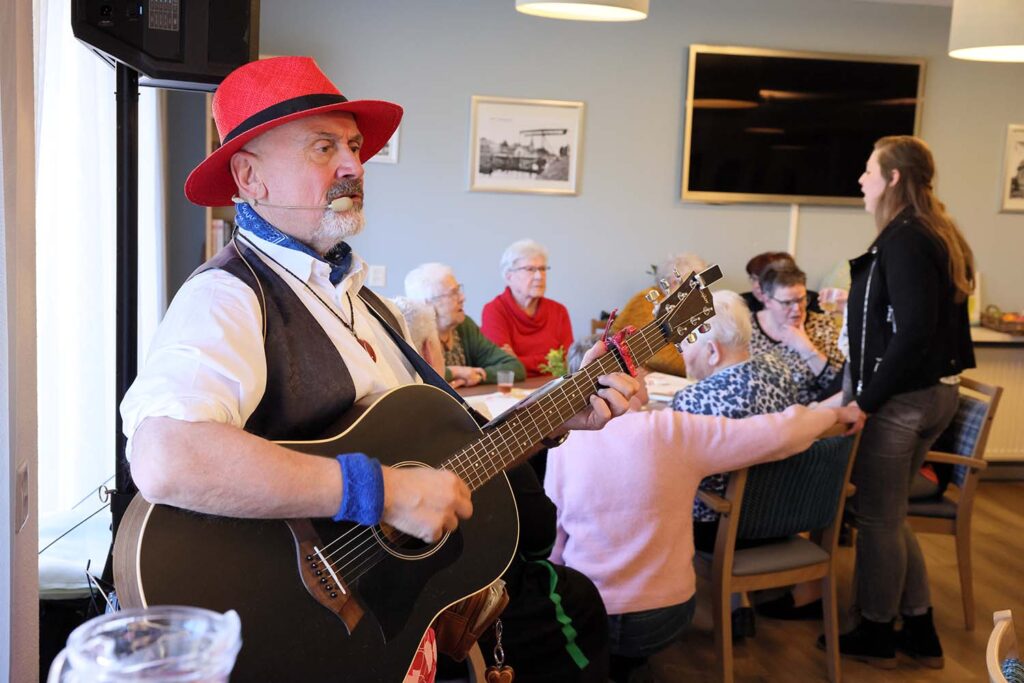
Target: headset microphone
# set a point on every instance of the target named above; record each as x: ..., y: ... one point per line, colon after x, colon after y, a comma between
x: 338, y: 205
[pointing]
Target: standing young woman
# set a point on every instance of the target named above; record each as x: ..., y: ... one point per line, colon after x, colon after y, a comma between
x: 909, y: 341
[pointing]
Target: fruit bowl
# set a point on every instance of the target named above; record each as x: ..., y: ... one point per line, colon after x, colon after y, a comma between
x: 994, y: 318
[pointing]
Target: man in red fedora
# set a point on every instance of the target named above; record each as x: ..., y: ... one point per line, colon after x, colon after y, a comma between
x: 275, y: 337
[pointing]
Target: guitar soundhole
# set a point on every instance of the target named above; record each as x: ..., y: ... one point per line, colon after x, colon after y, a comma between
x: 405, y: 546
x: 401, y: 544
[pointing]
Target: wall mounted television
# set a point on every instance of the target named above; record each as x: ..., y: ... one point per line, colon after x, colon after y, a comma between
x: 773, y: 126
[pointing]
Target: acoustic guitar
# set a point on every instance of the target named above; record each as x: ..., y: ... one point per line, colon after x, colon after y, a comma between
x: 326, y: 601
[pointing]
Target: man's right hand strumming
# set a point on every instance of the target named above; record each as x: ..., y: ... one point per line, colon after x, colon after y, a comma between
x: 424, y: 502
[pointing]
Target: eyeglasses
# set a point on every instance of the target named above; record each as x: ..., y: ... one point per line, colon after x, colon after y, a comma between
x: 799, y: 301
x: 453, y: 294
x: 532, y: 270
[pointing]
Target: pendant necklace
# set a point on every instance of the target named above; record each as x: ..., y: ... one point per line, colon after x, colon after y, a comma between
x: 350, y: 326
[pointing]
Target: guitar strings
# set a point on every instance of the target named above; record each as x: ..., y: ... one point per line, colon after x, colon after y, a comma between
x: 458, y: 465
x: 472, y: 474
x: 465, y: 463
x: 355, y: 547
x: 356, y: 561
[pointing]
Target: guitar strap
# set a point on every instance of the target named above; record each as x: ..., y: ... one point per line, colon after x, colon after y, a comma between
x: 422, y: 367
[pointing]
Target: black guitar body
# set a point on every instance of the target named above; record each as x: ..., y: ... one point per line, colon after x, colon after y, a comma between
x: 170, y: 556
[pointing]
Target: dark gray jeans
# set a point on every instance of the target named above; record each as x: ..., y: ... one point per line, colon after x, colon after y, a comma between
x: 641, y: 634
x: 890, y: 572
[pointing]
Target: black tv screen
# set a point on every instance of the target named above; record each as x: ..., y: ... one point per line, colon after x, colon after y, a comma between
x: 790, y: 127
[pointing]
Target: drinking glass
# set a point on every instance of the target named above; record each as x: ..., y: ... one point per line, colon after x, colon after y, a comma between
x: 165, y: 644
x: 832, y: 300
x: 506, y: 378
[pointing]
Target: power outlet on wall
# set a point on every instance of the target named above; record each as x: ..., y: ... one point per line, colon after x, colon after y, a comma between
x: 377, y: 276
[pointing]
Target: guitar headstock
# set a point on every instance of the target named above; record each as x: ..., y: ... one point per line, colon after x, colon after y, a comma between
x: 689, y: 306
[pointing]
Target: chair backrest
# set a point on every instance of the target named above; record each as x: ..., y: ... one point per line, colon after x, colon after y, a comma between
x: 968, y: 433
x: 800, y: 493
x: 1002, y: 646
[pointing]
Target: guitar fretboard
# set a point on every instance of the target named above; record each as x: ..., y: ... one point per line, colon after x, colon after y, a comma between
x: 504, y: 444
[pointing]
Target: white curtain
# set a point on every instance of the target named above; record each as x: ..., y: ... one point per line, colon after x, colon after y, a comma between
x: 76, y: 256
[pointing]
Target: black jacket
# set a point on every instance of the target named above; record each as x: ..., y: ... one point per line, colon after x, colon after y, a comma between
x: 910, y: 331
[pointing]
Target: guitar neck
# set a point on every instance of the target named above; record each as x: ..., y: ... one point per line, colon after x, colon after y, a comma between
x: 505, y: 444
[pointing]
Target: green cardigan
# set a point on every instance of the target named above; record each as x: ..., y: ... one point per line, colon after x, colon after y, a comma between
x: 481, y: 352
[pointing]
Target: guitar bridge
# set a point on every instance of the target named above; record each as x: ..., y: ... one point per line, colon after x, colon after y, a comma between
x: 322, y: 581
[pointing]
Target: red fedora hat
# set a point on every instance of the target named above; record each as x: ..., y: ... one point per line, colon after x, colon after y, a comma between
x: 261, y: 95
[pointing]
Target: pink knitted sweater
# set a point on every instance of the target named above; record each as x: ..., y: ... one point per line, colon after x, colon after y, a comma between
x: 625, y: 493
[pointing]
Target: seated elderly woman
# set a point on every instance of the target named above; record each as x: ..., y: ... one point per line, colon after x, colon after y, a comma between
x: 730, y: 382
x: 806, y: 340
x: 639, y: 311
x: 618, y: 493
x: 421, y: 320
x: 765, y: 261
x: 469, y: 357
x: 520, y: 319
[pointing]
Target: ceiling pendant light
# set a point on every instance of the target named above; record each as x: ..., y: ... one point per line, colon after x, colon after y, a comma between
x: 987, y: 30
x: 586, y: 10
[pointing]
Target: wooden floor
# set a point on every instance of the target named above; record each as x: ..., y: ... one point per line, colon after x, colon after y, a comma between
x: 785, y: 650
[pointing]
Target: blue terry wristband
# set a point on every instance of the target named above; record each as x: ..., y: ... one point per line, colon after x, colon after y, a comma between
x: 362, y: 494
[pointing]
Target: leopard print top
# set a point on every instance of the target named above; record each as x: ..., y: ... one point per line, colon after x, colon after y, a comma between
x: 823, y: 333
x: 763, y: 384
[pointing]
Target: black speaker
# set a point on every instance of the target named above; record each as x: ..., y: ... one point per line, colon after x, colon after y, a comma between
x: 181, y: 44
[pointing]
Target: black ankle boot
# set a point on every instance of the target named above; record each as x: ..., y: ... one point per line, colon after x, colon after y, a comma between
x: 919, y: 640
x: 872, y: 642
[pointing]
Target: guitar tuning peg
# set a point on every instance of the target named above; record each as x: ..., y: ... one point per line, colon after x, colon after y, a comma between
x: 675, y: 271
x: 692, y: 338
x: 652, y: 295
x: 665, y: 285
x: 705, y: 328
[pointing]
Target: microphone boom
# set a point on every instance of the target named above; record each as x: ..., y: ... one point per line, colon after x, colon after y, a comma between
x: 338, y: 205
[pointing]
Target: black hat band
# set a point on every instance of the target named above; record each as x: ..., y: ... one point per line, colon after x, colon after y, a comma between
x: 282, y: 109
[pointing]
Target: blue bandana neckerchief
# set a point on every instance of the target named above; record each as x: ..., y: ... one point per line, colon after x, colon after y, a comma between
x: 339, y: 258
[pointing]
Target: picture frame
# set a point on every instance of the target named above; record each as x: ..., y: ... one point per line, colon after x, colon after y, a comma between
x: 389, y: 152
x: 1013, y: 169
x: 527, y: 146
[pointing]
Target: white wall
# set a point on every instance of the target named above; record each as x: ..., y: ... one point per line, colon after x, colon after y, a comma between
x: 19, y: 583
x: 432, y: 56
x: 186, y: 112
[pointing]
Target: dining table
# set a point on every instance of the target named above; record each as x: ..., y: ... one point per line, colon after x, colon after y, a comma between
x: 529, y: 384
x: 489, y: 400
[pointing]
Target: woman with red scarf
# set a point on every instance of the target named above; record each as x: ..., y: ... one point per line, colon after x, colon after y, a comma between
x: 520, y: 319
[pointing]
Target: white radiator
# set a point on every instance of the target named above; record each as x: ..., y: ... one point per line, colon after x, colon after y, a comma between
x: 1004, y: 365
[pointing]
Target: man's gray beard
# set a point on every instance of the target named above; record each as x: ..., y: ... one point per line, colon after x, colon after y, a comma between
x: 336, y: 226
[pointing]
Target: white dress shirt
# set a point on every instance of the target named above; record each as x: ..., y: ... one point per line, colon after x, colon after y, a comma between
x: 207, y: 362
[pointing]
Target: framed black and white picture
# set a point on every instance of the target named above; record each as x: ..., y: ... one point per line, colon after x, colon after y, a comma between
x: 1013, y: 176
x: 519, y: 145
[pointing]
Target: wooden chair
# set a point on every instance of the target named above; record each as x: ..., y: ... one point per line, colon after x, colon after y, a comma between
x: 779, y: 500
x: 1002, y: 645
x: 597, y: 325
x: 963, y: 446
